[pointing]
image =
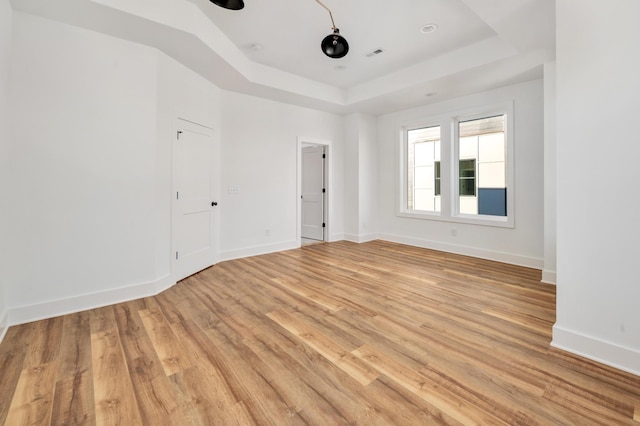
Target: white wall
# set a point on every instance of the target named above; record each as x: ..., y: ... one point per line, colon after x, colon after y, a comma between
x: 82, y: 165
x: 368, y: 225
x: 598, y: 64
x: 521, y: 245
x: 5, y: 61
x: 361, y: 178
x: 260, y: 157
x: 91, y: 166
x: 93, y: 125
x: 550, y: 180
x: 352, y: 177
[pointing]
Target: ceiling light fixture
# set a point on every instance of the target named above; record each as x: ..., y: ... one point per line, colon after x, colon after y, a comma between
x: 333, y: 45
x: 229, y: 4
x: 429, y: 28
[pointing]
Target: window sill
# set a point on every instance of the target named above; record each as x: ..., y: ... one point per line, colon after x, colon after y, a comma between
x: 483, y: 220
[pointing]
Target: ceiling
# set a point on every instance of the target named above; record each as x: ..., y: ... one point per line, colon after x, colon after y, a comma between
x: 271, y: 48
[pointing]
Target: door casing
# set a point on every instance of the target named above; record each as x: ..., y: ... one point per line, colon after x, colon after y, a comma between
x: 302, y: 142
x: 313, y: 192
x: 181, y: 265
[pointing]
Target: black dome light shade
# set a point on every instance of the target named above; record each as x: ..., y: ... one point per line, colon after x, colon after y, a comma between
x: 334, y: 45
x: 229, y: 4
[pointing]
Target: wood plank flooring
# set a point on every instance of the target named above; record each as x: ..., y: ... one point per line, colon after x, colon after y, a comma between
x: 339, y: 333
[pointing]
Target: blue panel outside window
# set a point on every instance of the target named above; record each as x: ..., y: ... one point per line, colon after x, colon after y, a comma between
x: 492, y: 201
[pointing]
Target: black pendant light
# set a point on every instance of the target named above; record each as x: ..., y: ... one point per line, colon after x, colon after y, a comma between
x: 334, y: 45
x: 229, y: 4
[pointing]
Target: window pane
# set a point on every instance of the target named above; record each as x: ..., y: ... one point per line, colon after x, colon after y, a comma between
x: 467, y: 177
x: 482, y: 146
x: 491, y: 147
x: 423, y: 149
x: 469, y: 147
x: 424, y: 199
x: 424, y: 154
x: 482, y: 126
x: 468, y: 205
x: 491, y: 175
x: 424, y: 177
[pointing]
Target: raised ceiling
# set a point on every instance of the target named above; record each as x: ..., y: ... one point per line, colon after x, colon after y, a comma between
x: 271, y: 48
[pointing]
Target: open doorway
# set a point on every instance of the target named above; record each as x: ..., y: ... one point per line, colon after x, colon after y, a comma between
x: 313, y: 193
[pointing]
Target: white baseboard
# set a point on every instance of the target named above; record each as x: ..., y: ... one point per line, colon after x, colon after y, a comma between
x: 510, y: 258
x: 608, y: 353
x: 258, y: 250
x: 360, y: 238
x: 4, y: 324
x: 549, y: 277
x: 54, y: 308
x: 164, y: 283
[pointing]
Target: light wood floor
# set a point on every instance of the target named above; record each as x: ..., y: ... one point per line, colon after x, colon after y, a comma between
x: 338, y: 333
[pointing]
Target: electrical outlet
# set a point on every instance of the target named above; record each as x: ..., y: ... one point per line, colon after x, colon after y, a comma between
x: 267, y: 232
x: 454, y: 232
x: 233, y: 189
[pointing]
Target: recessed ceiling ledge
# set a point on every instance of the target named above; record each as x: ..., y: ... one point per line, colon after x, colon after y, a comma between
x: 186, y: 17
x: 480, y: 53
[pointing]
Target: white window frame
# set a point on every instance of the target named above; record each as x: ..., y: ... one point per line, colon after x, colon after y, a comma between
x: 449, y: 167
x: 404, y: 152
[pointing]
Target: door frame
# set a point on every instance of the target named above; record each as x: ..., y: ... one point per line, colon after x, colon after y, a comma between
x: 180, y: 122
x: 302, y: 142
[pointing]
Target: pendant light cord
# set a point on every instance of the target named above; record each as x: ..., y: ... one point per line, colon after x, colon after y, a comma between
x: 330, y: 14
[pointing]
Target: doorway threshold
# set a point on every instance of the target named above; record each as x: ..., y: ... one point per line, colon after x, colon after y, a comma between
x: 309, y: 241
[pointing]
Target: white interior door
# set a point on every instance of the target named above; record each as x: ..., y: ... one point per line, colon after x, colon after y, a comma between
x: 194, y: 204
x: 313, y: 192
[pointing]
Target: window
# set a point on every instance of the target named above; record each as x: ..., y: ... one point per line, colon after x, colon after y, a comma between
x: 482, y: 146
x: 460, y: 168
x: 423, y: 153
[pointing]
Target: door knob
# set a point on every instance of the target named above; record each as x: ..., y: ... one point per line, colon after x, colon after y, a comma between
x: 214, y: 203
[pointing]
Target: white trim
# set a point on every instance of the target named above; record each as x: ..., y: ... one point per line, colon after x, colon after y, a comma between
x: 70, y: 305
x: 498, y: 256
x: 4, y: 324
x: 178, y: 268
x: 476, y: 114
x: 439, y: 121
x: 361, y: 238
x: 258, y: 250
x: 620, y: 357
x: 482, y: 220
x: 449, y: 207
x: 336, y: 237
x: 549, y: 277
x: 328, y: 184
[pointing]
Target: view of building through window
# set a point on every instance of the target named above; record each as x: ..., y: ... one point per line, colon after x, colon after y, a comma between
x: 423, y: 169
x: 482, y: 166
x: 481, y: 177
